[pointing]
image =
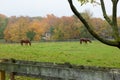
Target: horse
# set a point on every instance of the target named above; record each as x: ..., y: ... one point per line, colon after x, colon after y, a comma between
x: 27, y: 42
x: 85, y: 40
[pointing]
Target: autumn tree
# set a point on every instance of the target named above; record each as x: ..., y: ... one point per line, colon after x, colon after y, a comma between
x: 16, y: 29
x: 66, y: 28
x: 83, y: 31
x: 39, y: 27
x: 8, y: 31
x: 112, y: 22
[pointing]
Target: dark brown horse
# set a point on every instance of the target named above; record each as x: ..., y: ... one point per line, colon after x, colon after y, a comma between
x: 85, y: 40
x: 26, y: 42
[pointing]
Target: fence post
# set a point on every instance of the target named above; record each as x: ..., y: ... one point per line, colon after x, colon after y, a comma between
x: 12, y: 74
x: 2, y: 72
x: 2, y: 75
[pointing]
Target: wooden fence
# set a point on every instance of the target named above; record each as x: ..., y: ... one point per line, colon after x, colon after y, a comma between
x: 53, y: 71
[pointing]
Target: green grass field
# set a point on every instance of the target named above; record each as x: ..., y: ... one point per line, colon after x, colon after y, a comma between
x: 92, y: 54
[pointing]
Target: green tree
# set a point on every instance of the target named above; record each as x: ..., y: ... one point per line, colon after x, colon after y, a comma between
x: 112, y: 22
x: 3, y: 25
x: 30, y: 35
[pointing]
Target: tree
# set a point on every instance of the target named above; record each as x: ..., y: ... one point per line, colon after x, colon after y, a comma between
x: 112, y: 22
x: 39, y: 27
x: 88, y: 17
x: 30, y: 35
x: 3, y: 24
x: 16, y: 29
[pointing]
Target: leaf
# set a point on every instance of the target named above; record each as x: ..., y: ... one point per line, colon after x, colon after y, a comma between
x: 86, y: 1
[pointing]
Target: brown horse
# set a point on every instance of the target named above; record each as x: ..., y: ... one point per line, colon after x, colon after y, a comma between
x: 85, y: 40
x: 26, y: 42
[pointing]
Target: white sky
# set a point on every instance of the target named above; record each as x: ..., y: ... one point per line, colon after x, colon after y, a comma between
x: 43, y: 7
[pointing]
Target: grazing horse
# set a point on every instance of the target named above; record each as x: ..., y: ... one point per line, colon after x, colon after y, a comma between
x: 85, y: 40
x: 27, y: 42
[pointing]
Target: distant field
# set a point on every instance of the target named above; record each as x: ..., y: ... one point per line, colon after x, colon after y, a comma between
x: 92, y: 54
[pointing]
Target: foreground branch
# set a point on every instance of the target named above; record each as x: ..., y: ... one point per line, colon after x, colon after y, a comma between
x: 108, y: 42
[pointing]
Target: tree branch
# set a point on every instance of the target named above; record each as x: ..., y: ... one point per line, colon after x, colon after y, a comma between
x: 108, y: 42
x: 114, y: 20
x: 104, y: 12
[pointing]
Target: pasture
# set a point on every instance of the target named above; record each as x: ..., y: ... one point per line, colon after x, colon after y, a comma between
x: 91, y: 54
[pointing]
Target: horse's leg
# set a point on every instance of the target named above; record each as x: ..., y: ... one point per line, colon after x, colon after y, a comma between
x: 86, y: 42
x: 21, y: 43
x: 30, y: 43
x: 80, y: 42
x: 90, y: 41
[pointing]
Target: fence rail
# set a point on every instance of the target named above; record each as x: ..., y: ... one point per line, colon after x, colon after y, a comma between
x: 53, y: 71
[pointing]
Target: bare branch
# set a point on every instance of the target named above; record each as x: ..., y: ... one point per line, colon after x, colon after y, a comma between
x: 108, y: 42
x: 104, y: 12
x: 114, y: 20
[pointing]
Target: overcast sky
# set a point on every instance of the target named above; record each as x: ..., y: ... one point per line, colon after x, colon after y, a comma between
x: 43, y: 7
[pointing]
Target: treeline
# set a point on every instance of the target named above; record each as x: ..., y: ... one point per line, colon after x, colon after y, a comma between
x: 50, y: 27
